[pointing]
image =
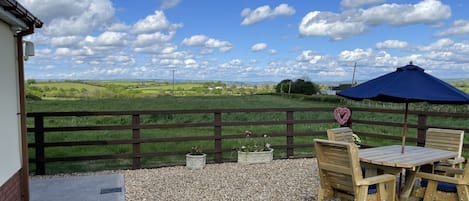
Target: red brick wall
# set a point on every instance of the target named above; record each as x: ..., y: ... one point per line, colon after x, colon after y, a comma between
x: 11, y: 190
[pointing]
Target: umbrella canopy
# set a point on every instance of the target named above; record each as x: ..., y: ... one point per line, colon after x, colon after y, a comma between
x: 406, y: 85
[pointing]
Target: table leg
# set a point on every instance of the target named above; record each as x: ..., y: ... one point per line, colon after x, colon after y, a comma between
x: 408, y: 184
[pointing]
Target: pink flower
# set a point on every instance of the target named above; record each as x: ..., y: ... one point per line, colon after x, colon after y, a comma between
x: 247, y: 133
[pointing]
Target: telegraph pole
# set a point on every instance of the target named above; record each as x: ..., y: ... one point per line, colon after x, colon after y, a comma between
x: 173, y: 70
x: 353, y: 75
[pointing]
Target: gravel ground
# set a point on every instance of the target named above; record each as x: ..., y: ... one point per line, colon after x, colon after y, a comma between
x: 292, y: 179
x: 280, y: 180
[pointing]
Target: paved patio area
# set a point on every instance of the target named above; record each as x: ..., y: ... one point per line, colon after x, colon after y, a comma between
x: 78, y: 188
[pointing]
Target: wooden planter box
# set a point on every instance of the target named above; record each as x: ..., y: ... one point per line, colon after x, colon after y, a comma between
x: 195, y: 161
x: 255, y: 157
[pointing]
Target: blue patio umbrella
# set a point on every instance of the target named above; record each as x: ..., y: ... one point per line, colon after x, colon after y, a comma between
x: 406, y: 85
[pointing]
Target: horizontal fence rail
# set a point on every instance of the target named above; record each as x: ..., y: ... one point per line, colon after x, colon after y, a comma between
x: 289, y: 123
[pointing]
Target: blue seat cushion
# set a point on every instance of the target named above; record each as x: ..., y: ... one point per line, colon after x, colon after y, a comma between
x: 442, y: 186
x: 371, y: 188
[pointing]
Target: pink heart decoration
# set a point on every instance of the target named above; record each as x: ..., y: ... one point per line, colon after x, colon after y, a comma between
x: 342, y: 115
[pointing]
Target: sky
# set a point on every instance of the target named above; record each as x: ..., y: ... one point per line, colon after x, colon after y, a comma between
x: 246, y: 40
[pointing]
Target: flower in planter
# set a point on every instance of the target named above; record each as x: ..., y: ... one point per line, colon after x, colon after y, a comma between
x: 252, y: 143
x: 248, y: 133
x: 357, y: 139
x: 195, y: 159
x: 196, y: 150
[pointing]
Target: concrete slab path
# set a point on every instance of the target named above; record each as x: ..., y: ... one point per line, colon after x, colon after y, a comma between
x: 78, y: 188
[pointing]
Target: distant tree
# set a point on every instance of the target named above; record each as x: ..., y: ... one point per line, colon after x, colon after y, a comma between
x: 30, y: 81
x: 298, y: 86
x: 282, y: 86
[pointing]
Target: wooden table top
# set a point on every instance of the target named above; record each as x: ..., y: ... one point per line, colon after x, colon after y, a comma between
x: 412, y: 157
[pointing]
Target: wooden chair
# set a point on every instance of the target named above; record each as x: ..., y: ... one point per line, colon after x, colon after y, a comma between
x: 446, y: 139
x: 344, y: 134
x: 341, y: 176
x: 441, y: 187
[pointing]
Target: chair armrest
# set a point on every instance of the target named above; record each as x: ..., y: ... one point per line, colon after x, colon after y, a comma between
x: 456, y: 160
x: 450, y: 170
x: 436, y: 177
x: 377, y: 179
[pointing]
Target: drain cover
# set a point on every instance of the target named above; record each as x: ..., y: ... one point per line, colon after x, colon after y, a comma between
x: 111, y: 190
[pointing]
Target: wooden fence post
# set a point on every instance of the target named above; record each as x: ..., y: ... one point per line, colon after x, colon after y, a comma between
x: 39, y: 141
x: 290, y: 139
x: 136, y: 141
x: 218, y: 138
x: 421, y: 129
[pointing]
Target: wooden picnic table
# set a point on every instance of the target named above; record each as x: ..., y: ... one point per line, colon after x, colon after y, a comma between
x: 391, y: 160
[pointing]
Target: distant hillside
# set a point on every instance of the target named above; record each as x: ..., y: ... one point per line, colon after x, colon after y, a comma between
x: 90, y: 89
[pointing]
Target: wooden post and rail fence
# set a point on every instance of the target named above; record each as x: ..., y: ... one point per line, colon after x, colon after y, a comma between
x: 38, y: 130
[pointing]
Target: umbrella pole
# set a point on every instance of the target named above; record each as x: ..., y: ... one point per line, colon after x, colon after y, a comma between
x: 404, y: 130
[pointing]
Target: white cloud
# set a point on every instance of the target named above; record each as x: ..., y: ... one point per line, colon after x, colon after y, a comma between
x: 119, y: 59
x: 335, y: 72
x: 208, y: 44
x: 440, y: 44
x: 258, y: 47
x: 391, y: 44
x: 232, y: 63
x: 155, y: 22
x: 309, y: 56
x: 355, y: 55
x: 190, y: 63
x: 357, y: 3
x: 223, y: 46
x: 63, y: 41
x: 156, y: 48
x: 195, y: 40
x: 265, y: 12
x: 354, y: 22
x: 144, y: 40
x: 335, y: 26
x: 427, y: 11
x: 110, y: 38
x: 272, y: 51
x: 459, y: 27
x: 165, y: 4
x: 174, y: 59
x: 169, y: 49
x: 43, y: 52
x: 70, y: 17
x: 119, y: 27
x: 383, y: 58
x: 63, y: 51
x: 47, y: 67
x: 97, y: 72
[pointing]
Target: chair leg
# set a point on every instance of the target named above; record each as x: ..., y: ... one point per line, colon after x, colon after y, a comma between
x: 362, y: 193
x: 463, y: 192
x: 324, y: 193
x: 430, y: 192
x: 390, y: 192
x: 321, y: 194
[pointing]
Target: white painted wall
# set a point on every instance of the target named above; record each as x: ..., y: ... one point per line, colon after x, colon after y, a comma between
x: 10, y: 139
